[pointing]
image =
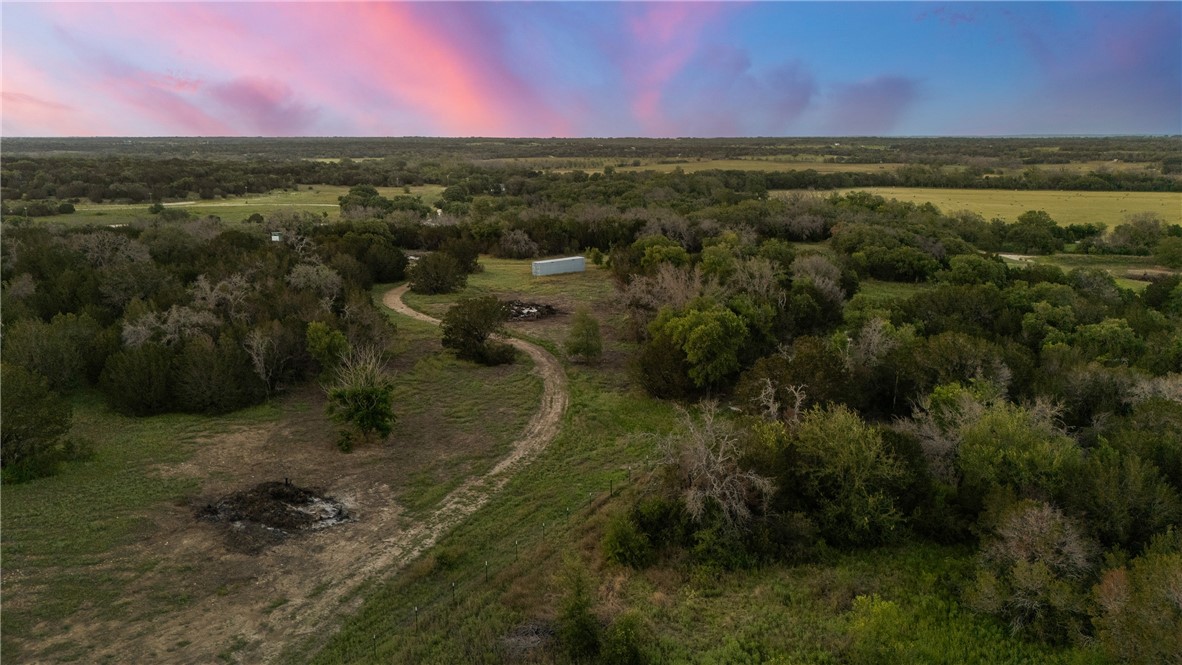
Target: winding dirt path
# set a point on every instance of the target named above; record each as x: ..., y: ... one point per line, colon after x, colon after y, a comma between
x: 319, y: 576
x: 404, y: 546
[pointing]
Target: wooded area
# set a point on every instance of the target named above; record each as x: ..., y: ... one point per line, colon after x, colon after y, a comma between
x: 851, y: 372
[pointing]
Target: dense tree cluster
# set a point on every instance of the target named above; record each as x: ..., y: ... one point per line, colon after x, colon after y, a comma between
x: 184, y: 316
x: 43, y: 177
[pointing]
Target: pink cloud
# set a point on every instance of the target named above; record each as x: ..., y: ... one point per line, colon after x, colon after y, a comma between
x: 32, y: 105
x: 665, y: 37
x: 264, y: 106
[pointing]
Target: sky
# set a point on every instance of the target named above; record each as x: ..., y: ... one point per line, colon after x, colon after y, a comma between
x: 571, y: 69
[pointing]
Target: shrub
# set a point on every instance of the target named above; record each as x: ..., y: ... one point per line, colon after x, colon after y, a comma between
x: 624, y: 543
x: 625, y: 640
x: 437, y: 273
x: 469, y: 324
x: 361, y: 399
x: 33, y: 423
x: 584, y: 342
x: 578, y: 628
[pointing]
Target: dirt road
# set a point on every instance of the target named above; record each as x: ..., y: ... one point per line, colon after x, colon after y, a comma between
x: 315, y: 577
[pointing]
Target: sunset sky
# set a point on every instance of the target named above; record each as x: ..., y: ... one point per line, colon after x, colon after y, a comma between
x: 591, y: 69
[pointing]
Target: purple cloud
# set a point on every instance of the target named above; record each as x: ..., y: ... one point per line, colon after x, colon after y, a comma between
x: 266, y: 107
x: 871, y: 107
x: 722, y: 94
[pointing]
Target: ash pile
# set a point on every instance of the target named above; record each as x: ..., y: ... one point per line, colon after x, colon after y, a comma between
x: 271, y: 512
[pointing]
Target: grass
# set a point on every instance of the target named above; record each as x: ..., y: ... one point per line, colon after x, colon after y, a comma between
x: 521, y: 534
x: 508, y: 278
x: 1126, y: 269
x: 59, y: 531
x: 756, y: 164
x: 461, y: 417
x: 881, y: 292
x: 1066, y: 208
x: 315, y: 199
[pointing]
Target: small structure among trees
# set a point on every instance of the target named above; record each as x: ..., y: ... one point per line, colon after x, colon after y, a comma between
x: 559, y: 266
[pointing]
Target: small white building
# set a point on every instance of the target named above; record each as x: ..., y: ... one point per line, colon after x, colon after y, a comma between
x: 559, y: 266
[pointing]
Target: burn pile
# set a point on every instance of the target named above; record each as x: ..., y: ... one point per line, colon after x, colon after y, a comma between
x: 520, y: 310
x: 271, y: 512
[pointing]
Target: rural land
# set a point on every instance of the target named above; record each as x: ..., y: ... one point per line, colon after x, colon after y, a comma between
x: 794, y: 400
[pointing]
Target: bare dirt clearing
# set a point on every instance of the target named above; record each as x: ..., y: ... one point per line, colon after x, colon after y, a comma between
x: 239, y: 607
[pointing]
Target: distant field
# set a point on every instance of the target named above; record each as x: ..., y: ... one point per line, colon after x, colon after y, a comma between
x: 1128, y: 270
x: 308, y: 198
x: 763, y: 165
x: 1065, y: 207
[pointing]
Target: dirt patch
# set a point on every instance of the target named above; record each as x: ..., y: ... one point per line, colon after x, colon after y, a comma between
x: 271, y: 512
x: 520, y: 310
x: 526, y: 641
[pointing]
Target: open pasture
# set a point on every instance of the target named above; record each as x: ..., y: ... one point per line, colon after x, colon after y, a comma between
x: 316, y: 199
x: 757, y: 164
x: 1066, y: 208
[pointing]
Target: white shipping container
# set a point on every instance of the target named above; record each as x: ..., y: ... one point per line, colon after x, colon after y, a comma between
x: 559, y: 266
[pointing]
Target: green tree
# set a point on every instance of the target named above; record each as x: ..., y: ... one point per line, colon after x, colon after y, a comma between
x: 709, y: 334
x: 63, y: 351
x: 33, y: 423
x: 1168, y: 252
x: 469, y: 325
x: 1137, y: 613
x: 327, y: 345
x: 139, y: 380
x: 437, y: 272
x: 848, y: 475
x: 584, y: 342
x: 361, y: 400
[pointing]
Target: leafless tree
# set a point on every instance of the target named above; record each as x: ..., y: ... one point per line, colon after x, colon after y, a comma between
x: 704, y: 461
x: 168, y: 328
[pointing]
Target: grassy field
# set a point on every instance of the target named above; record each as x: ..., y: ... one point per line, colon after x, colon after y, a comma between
x: 753, y: 164
x: 1064, y: 207
x: 101, y: 541
x: 1126, y: 269
x: 60, y: 532
x: 316, y: 199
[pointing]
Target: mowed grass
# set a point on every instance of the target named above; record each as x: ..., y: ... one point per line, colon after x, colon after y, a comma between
x: 59, y: 531
x: 456, y: 419
x: 1065, y: 208
x: 315, y: 199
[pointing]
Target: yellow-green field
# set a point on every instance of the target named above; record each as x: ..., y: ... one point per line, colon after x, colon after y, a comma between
x: 763, y: 165
x: 308, y: 198
x: 1065, y: 207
